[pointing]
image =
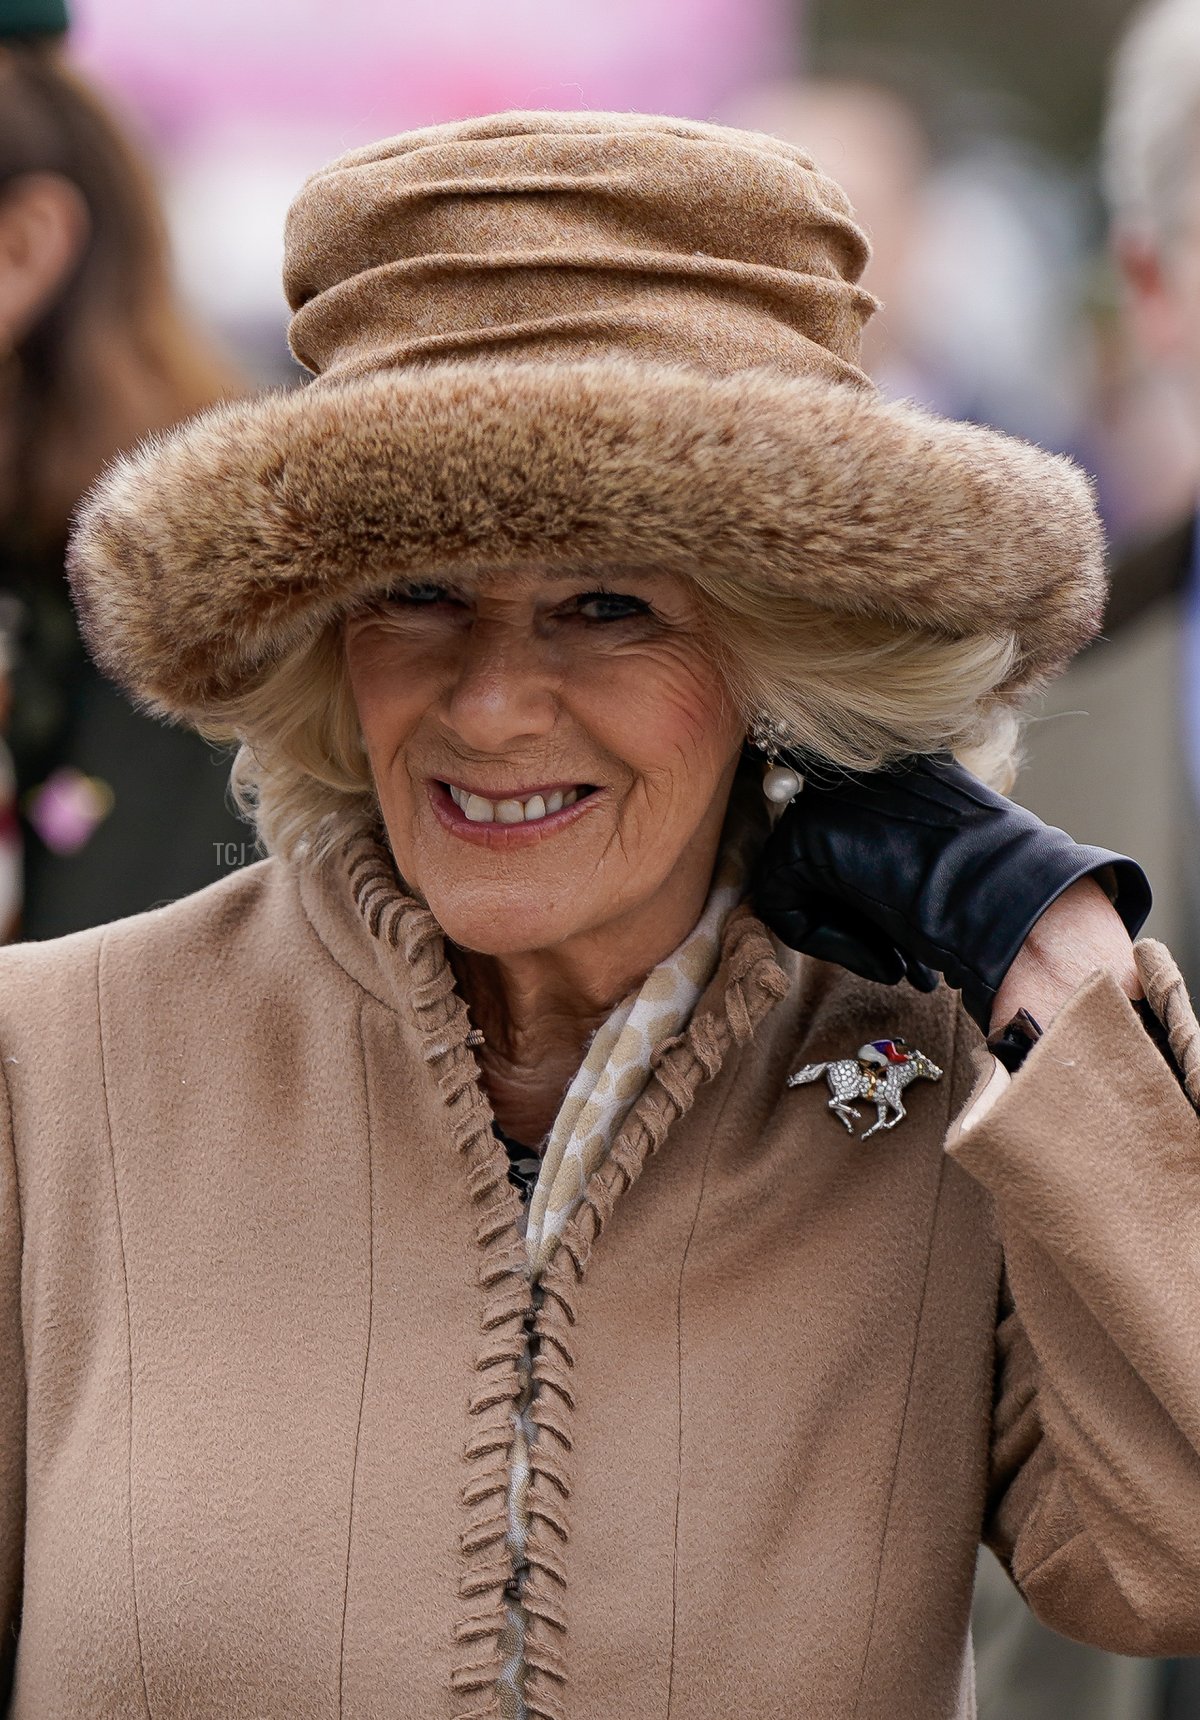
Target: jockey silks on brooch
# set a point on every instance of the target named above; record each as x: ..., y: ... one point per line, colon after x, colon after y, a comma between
x: 879, y: 1073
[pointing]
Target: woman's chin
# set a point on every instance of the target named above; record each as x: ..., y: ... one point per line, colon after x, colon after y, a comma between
x: 505, y: 928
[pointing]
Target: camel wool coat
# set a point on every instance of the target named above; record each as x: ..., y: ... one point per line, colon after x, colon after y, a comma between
x: 263, y: 1295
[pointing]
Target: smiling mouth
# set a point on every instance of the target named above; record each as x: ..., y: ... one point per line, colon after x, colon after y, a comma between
x: 523, y: 809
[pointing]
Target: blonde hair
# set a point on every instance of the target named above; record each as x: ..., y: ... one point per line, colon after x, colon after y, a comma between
x: 857, y: 690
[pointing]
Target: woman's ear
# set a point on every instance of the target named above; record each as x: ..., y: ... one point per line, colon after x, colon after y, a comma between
x: 44, y: 228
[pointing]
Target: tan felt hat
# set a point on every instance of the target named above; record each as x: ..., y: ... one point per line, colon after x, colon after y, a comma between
x: 589, y: 339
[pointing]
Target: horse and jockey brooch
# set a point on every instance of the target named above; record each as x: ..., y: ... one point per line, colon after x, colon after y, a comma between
x: 879, y: 1074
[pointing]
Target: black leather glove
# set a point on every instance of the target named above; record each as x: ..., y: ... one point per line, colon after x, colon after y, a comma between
x: 919, y: 871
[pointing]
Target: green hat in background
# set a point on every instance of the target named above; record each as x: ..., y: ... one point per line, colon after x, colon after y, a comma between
x: 32, y: 18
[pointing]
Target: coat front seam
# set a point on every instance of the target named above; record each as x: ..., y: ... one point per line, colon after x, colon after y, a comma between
x: 366, y: 1364
x: 112, y: 1159
x: 912, y: 1368
x: 18, y: 1192
x: 502, y: 1278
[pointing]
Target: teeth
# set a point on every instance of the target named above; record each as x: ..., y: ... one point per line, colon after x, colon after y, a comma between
x: 480, y: 810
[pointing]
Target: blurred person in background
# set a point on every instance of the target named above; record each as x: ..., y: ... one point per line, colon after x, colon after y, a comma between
x: 870, y: 138
x: 117, y: 811
x: 10, y: 830
x: 1119, y: 741
x: 1118, y: 744
x: 974, y: 239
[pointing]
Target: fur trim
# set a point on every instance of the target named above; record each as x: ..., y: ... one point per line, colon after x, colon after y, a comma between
x: 202, y: 557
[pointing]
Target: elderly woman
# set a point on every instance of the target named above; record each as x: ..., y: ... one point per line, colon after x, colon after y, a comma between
x: 443, y: 1273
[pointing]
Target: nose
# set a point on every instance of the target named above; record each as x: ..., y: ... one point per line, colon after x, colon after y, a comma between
x: 502, y: 691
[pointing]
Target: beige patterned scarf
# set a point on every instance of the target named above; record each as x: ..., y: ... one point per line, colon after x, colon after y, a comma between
x: 611, y: 1079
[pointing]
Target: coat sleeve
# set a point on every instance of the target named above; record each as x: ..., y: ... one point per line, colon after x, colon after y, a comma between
x: 1092, y: 1156
x: 12, y: 1402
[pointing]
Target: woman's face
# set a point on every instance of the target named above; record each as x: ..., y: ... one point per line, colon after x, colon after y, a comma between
x: 553, y: 755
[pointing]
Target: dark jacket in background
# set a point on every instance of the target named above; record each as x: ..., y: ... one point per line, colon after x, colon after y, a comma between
x: 1106, y: 756
x: 171, y: 829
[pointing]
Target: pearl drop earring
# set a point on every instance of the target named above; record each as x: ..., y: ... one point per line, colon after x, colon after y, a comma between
x: 781, y: 784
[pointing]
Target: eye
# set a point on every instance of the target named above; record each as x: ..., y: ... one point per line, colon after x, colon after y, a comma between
x: 609, y: 606
x: 419, y: 594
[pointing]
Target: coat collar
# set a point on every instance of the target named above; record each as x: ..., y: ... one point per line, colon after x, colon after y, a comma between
x: 378, y: 932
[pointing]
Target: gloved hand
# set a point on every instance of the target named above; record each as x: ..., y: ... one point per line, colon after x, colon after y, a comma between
x: 919, y: 871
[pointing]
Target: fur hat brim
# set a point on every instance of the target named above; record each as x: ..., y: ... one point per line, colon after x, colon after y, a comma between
x: 202, y: 558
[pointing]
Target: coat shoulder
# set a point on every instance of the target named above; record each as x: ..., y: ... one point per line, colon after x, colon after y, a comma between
x: 52, y: 988
x: 835, y: 1012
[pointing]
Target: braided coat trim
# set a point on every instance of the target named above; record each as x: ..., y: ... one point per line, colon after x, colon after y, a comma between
x: 1167, y: 996
x: 405, y: 926
x: 755, y: 983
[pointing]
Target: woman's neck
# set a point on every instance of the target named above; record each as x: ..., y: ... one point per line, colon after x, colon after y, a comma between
x: 537, y: 1017
x: 539, y: 1010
